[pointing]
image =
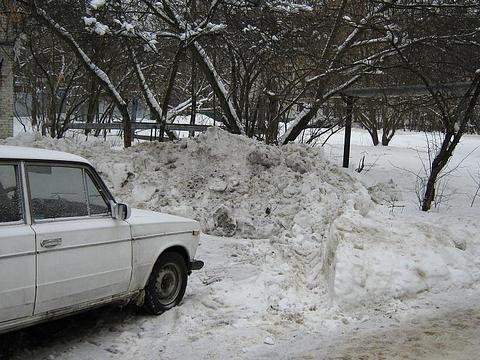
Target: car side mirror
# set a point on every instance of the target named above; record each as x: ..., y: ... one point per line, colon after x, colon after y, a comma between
x: 120, y: 211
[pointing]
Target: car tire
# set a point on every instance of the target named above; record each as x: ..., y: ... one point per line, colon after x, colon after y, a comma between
x: 167, y: 284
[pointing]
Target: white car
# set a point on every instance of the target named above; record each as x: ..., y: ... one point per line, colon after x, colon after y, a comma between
x: 66, y: 245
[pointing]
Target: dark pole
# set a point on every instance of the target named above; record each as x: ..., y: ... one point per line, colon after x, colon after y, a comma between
x: 348, y: 131
x: 215, y: 66
x: 193, y: 111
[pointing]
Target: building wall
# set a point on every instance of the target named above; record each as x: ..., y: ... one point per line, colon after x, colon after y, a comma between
x: 6, y: 92
x: 6, y: 76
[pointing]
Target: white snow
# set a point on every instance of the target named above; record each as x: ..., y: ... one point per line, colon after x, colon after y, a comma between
x: 97, y: 4
x: 288, y: 7
x: 89, y: 20
x: 101, y: 29
x: 128, y: 26
x: 309, y: 249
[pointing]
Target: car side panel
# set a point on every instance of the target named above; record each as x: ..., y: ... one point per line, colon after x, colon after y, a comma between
x: 93, y: 261
x: 17, y: 271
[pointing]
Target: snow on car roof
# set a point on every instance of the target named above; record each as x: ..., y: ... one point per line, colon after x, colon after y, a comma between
x: 27, y: 153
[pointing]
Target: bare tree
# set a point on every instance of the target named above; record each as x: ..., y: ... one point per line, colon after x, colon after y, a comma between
x: 44, y: 18
x: 263, y: 63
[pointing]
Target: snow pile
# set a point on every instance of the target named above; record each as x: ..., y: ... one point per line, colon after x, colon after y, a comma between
x: 327, y: 240
x: 233, y: 185
x: 385, y: 193
x: 381, y: 257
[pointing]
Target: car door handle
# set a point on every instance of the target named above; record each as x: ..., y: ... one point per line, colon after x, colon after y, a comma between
x: 49, y: 243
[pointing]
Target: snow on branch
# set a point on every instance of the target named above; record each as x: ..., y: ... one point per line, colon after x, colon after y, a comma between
x: 384, y: 39
x: 149, y: 96
x: 361, y: 25
x: 191, y: 34
x: 295, y: 123
x: 97, y: 4
x: 305, y: 112
x: 88, y: 63
x: 206, y: 60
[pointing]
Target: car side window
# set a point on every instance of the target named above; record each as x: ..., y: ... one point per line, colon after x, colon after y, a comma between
x: 10, y: 194
x: 56, y: 192
x: 96, y: 202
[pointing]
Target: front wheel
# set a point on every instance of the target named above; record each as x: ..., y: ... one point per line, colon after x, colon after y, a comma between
x: 167, y: 284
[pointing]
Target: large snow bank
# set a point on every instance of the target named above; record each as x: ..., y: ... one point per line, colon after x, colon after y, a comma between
x: 328, y: 239
x: 233, y: 185
x: 381, y: 257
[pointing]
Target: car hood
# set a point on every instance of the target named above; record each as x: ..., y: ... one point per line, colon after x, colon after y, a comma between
x: 145, y: 223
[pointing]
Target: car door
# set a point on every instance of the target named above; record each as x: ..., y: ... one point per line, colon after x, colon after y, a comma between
x: 17, y: 248
x: 83, y: 254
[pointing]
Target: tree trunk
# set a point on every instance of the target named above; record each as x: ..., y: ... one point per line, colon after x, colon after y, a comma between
x: 168, y: 92
x: 204, y: 63
x: 374, y: 135
x: 429, y: 195
x: 92, y: 107
x: 387, y: 136
x: 127, y: 126
x: 52, y: 116
x: 452, y: 138
x: 34, y: 108
x: 302, y: 121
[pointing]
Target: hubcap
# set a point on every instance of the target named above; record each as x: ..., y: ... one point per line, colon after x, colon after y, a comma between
x: 168, y: 283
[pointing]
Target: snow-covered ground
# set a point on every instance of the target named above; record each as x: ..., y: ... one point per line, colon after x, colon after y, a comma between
x: 403, y: 163
x: 303, y: 260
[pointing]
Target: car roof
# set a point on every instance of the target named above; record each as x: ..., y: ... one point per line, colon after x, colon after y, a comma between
x: 28, y: 153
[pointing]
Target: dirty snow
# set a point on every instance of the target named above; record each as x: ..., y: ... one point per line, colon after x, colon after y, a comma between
x: 307, y: 247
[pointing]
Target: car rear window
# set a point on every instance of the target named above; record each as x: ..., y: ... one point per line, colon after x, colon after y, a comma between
x: 10, y: 194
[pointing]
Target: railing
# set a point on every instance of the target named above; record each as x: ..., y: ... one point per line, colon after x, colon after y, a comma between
x: 137, y: 126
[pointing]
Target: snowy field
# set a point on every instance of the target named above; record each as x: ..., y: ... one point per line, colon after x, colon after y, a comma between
x: 303, y: 259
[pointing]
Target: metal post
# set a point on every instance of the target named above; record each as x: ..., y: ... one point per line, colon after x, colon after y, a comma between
x: 348, y: 131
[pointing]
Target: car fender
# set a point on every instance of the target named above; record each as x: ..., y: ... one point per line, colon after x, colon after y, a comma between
x: 147, y: 250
